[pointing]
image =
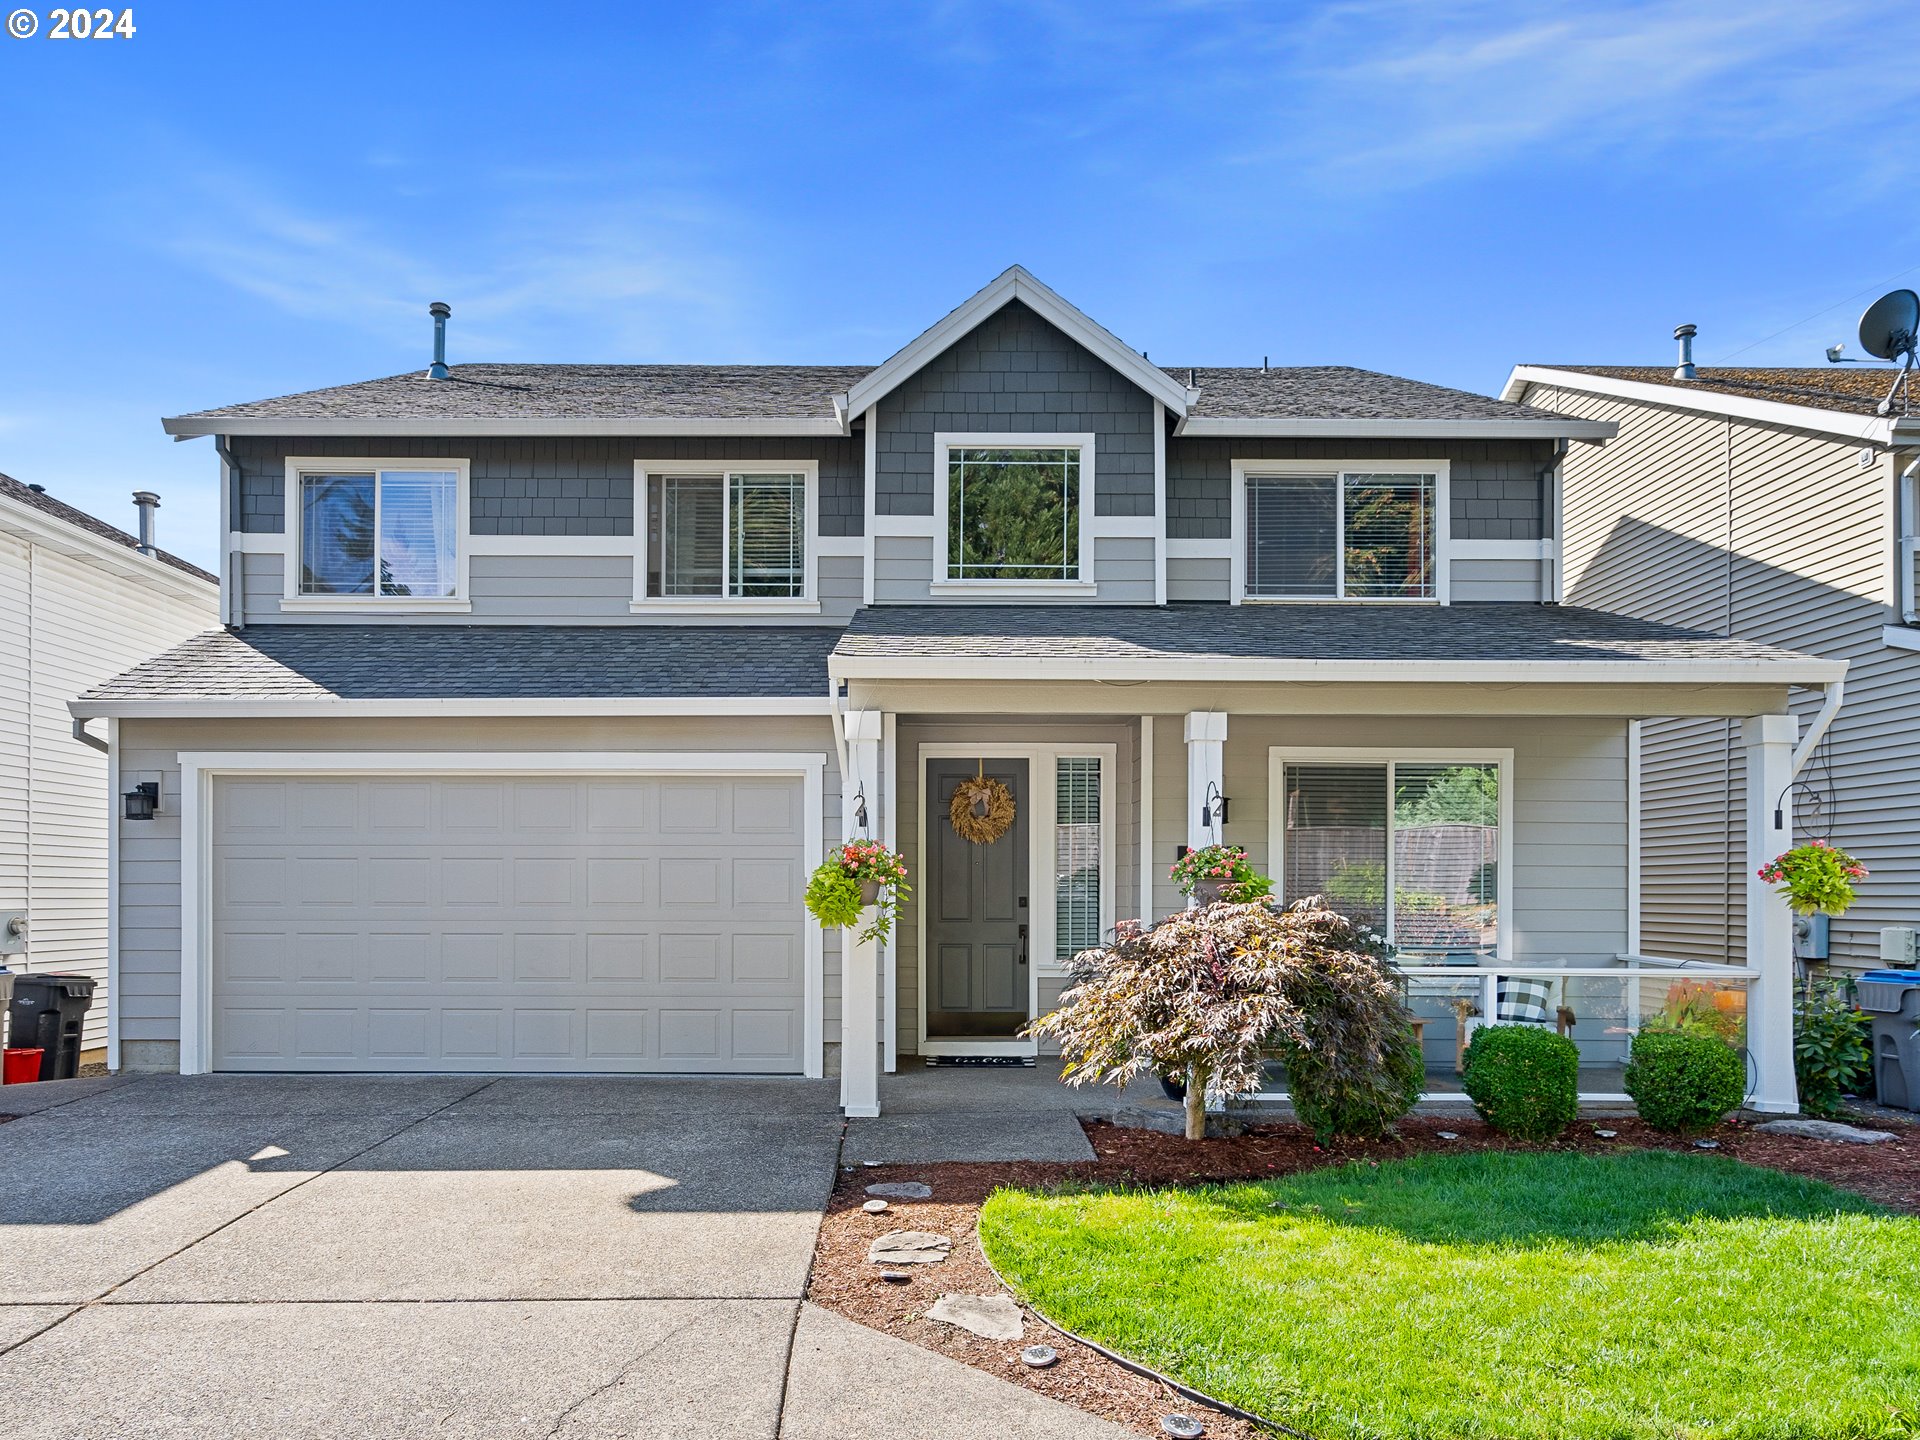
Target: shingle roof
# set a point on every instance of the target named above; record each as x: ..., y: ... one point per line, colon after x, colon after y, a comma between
x: 569, y: 392
x: 1849, y: 389
x: 806, y: 393
x: 1363, y: 632
x: 1337, y: 392
x: 408, y: 662
x: 60, y: 510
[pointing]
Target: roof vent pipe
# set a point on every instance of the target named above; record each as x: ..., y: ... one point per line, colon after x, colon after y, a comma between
x: 146, y: 502
x: 440, y: 311
x: 1684, y: 370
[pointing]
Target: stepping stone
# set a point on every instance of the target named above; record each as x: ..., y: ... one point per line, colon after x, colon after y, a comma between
x: 901, y: 1190
x: 1826, y: 1130
x: 909, y: 1247
x: 991, y: 1317
x: 875, y: 1207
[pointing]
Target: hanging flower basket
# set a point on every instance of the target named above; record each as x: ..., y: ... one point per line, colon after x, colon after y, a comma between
x: 1220, y: 873
x: 1815, y: 878
x: 854, y: 876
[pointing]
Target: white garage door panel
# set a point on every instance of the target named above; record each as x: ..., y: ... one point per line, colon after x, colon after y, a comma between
x: 618, y: 923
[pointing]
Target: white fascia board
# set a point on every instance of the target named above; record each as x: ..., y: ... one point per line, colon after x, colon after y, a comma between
x: 1249, y: 428
x: 1875, y: 429
x: 189, y: 426
x: 1016, y: 284
x: 1807, y: 671
x: 560, y: 707
x: 38, y: 528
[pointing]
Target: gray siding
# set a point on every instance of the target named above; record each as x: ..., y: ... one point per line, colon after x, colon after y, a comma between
x: 149, y: 890
x: 550, y: 486
x: 1516, y: 580
x: 1016, y: 372
x: 1199, y: 579
x: 1775, y: 535
x: 1496, y: 485
x: 545, y: 590
x: 1123, y: 569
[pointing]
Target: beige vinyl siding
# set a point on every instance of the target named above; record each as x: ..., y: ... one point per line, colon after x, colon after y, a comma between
x: 66, y: 624
x: 150, y: 850
x: 1770, y: 534
x: 1569, y: 811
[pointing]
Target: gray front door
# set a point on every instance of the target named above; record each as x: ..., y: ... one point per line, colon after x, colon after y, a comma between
x: 977, y: 912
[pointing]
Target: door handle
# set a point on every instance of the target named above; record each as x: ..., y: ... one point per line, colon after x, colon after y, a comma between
x: 1023, y: 945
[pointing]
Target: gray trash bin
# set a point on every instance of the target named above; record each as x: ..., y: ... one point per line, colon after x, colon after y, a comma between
x: 1892, y: 998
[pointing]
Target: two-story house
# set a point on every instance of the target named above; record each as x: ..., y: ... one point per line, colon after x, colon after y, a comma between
x: 542, y: 688
x: 1777, y: 505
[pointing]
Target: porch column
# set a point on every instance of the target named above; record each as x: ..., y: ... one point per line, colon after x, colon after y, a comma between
x: 1769, y: 746
x: 860, y: 959
x: 1206, y: 774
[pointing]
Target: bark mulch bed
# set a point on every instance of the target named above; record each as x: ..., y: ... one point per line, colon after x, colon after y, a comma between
x: 843, y: 1280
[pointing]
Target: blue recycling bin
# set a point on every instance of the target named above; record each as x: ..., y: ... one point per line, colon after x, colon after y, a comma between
x: 1892, y: 998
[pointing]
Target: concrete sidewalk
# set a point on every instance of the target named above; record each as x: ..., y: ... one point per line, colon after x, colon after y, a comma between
x: 448, y: 1257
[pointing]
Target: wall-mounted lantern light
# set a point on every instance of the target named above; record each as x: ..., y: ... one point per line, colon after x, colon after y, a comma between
x: 1213, y: 810
x: 143, y: 800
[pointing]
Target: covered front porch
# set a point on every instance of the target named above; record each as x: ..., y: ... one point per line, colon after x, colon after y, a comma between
x: 1488, y: 827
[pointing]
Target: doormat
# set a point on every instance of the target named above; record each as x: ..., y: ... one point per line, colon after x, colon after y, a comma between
x: 976, y: 1062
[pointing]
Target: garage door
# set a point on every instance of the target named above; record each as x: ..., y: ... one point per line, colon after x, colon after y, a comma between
x: 620, y: 923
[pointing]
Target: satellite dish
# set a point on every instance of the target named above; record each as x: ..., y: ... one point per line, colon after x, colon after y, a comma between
x: 1888, y: 331
x: 1888, y: 327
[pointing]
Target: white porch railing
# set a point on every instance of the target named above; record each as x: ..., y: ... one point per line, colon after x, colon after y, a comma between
x: 1599, y: 1007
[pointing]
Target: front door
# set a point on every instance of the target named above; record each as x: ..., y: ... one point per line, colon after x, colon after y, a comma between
x: 978, y: 919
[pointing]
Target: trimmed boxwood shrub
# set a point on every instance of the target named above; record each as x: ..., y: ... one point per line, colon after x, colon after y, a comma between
x: 1682, y: 1081
x: 1524, y: 1081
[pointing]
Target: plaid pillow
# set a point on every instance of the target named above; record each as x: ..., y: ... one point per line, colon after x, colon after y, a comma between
x: 1524, y: 1002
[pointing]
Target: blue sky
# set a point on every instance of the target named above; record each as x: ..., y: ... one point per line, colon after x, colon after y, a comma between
x: 247, y: 200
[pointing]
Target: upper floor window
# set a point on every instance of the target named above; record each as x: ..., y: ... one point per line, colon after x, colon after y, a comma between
x: 1338, y: 534
x: 727, y: 535
x: 1013, y: 507
x: 379, y: 532
x: 1907, y: 549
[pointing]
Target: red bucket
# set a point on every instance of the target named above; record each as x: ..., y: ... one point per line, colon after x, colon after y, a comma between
x: 21, y: 1067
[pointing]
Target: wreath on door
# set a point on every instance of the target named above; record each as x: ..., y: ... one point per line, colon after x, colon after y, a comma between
x: 981, y: 810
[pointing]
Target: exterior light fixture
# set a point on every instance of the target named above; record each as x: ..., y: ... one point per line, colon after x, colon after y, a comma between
x: 143, y: 800
x: 1213, y: 810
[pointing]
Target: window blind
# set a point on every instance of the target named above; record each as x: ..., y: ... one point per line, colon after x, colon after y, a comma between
x: 767, y: 546
x: 418, y: 526
x: 1336, y: 838
x: 1076, y: 852
x: 1292, y: 528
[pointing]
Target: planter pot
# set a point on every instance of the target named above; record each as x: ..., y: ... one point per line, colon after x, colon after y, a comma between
x: 1173, y: 1088
x: 1208, y: 892
x: 870, y: 892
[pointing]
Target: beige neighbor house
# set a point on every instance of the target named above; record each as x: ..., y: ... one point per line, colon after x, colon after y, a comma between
x: 80, y: 601
x: 541, y: 688
x: 1778, y: 506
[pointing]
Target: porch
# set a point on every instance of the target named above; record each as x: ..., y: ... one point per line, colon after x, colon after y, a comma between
x: 1490, y: 830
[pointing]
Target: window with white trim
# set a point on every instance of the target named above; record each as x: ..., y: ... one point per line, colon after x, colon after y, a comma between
x: 378, y: 532
x: 1907, y: 548
x: 1409, y: 848
x: 1341, y: 535
x: 1013, y: 513
x: 726, y: 535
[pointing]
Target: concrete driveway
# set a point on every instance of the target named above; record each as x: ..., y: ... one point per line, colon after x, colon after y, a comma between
x: 449, y: 1257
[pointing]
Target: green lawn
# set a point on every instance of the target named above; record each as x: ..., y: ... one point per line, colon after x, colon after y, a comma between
x: 1505, y: 1295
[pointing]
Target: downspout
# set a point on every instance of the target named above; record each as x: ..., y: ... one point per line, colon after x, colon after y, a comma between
x: 229, y: 582
x: 840, y: 745
x: 93, y: 742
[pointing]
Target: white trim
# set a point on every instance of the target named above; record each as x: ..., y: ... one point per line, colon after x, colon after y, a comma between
x: 1043, y: 916
x: 294, y: 601
x: 1144, y: 820
x: 644, y: 705
x: 1634, y: 886
x: 49, y: 532
x: 1239, y: 428
x: 1280, y: 756
x: 1876, y: 429
x: 1185, y: 548
x: 1900, y: 637
x: 1340, y: 469
x: 916, y: 526
x: 1504, y: 549
x: 612, y: 546
x: 199, y: 769
x: 890, y: 837
x: 1906, y: 541
x: 806, y: 603
x: 258, y: 542
x: 1159, y: 503
x: 113, y: 895
x: 840, y: 546
x: 1125, y: 527
x: 186, y: 427
x: 990, y: 590
x: 945, y: 441
x: 1015, y: 283
x: 871, y: 523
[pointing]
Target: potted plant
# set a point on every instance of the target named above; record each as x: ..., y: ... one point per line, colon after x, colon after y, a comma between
x: 856, y: 875
x: 1815, y: 878
x: 1215, y: 873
